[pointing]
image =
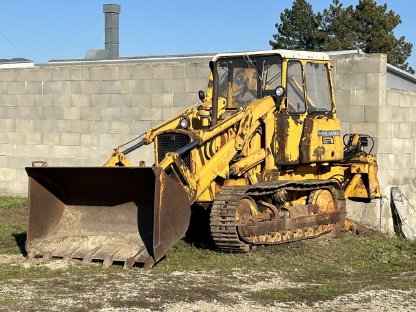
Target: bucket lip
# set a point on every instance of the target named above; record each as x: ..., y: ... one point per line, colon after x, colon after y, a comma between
x: 31, y: 169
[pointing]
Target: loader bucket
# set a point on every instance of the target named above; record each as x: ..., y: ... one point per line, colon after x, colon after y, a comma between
x: 110, y: 214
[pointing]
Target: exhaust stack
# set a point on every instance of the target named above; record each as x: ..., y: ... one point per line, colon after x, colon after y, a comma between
x: 112, y: 43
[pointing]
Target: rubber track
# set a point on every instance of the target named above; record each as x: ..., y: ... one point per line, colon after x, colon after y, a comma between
x: 223, y: 212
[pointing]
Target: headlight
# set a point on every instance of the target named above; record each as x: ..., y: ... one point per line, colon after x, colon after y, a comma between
x: 280, y: 91
x: 184, y: 123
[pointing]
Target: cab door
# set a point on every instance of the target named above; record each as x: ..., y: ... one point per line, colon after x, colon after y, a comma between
x: 291, y: 116
x: 307, y: 129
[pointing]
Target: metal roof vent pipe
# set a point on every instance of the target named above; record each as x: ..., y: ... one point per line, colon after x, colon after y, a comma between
x: 112, y: 43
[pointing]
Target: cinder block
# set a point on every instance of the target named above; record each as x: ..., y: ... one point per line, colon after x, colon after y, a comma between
x: 70, y: 138
x: 350, y: 82
x: 136, y: 86
x: 341, y: 66
x: 385, y: 113
x: 393, y: 97
x: 141, y: 72
x: 79, y: 100
x: 8, y: 100
x: 33, y: 138
x: 16, y: 87
x: 103, y: 99
x: 337, y: 81
x: 130, y: 113
x: 184, y: 99
x: 141, y: 100
x: 190, y: 85
x: 89, y: 140
x: 161, y: 71
x: 120, y: 100
x: 63, y: 125
x: 34, y: 87
x: 51, y: 138
x: 165, y: 99
x: 385, y: 130
x: 42, y: 74
x: 7, y: 125
x: 405, y: 130
x: 79, y: 126
x: 202, y: 71
x: 139, y: 127
x: 57, y: 87
x: 45, y: 125
x: 190, y: 71
x: 3, y: 159
x: 62, y: 99
x: 405, y: 99
x: 179, y: 71
x: 371, y: 113
x: 22, y: 74
x: 120, y: 72
x: 76, y: 72
x: 100, y: 73
x: 109, y: 140
x: 4, y: 86
x: 71, y: 113
x: 100, y: 126
x: 402, y: 114
x: 110, y: 113
x: 90, y: 113
x: 76, y: 86
x: 151, y: 113
x: 202, y: 84
x: 25, y: 125
x: 25, y: 100
x: 173, y: 86
x: 90, y: 86
x: 125, y: 86
x: 110, y: 86
x: 120, y: 127
x: 371, y: 63
x: 15, y: 138
x: 61, y: 73
x: 408, y: 145
x: 152, y: 86
x: 375, y: 81
x: 385, y: 146
x: 369, y: 128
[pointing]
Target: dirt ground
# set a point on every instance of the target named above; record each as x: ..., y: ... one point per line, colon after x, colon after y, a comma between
x: 191, y: 279
x: 69, y: 287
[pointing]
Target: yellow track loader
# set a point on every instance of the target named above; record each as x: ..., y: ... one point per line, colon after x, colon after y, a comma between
x: 263, y: 153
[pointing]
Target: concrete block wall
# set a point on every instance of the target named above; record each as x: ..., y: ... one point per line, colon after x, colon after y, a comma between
x: 74, y: 115
x: 365, y: 105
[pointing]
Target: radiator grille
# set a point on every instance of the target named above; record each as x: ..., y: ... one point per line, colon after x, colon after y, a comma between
x: 171, y: 142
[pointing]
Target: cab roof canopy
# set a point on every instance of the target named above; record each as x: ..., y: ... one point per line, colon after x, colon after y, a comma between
x: 284, y: 53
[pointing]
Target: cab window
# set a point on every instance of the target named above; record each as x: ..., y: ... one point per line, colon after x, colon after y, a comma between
x: 317, y: 88
x: 295, y: 88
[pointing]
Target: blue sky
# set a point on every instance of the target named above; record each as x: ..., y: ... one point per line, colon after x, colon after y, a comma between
x: 47, y: 29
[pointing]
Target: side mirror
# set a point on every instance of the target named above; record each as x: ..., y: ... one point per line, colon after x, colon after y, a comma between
x: 201, y: 95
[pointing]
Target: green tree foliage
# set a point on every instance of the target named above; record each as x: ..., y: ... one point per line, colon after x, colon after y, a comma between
x: 299, y: 28
x: 338, y: 26
x: 367, y: 26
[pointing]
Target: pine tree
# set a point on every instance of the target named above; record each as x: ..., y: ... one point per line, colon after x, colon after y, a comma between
x: 367, y: 26
x: 375, y: 26
x: 299, y: 28
x: 338, y: 25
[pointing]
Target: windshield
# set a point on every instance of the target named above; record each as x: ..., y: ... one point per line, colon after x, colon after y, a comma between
x: 247, y: 78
